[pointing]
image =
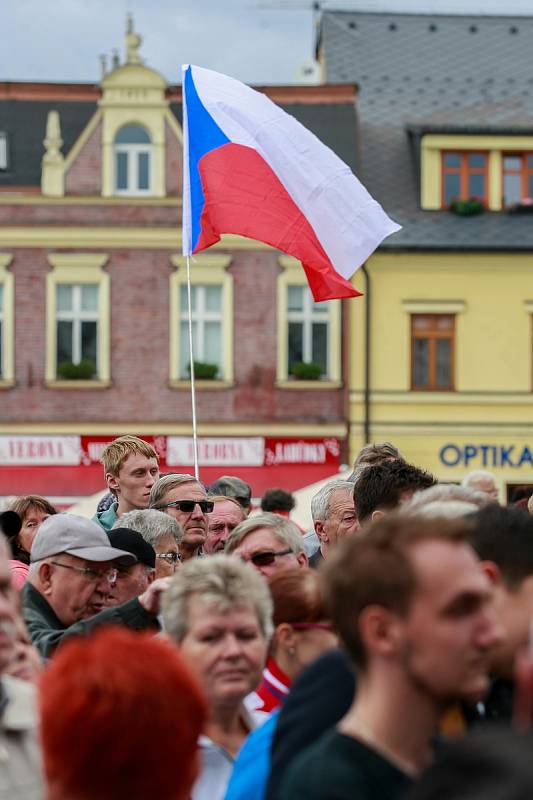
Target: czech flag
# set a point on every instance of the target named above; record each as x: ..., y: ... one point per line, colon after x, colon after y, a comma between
x: 253, y: 170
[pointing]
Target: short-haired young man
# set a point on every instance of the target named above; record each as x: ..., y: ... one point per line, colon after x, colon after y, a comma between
x: 383, y: 487
x: 503, y: 539
x: 131, y: 467
x: 414, y: 610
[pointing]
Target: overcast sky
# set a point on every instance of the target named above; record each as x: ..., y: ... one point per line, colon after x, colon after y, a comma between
x: 258, y: 41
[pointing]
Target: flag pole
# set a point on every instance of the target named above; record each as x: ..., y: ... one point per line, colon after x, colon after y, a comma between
x: 191, y: 363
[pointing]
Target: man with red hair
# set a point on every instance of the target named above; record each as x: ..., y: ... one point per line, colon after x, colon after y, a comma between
x: 114, y: 726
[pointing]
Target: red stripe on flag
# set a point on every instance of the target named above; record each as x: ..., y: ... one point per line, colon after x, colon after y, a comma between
x: 242, y: 195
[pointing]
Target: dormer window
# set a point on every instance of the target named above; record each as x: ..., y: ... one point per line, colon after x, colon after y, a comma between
x: 517, y: 177
x: 464, y: 176
x: 133, y: 161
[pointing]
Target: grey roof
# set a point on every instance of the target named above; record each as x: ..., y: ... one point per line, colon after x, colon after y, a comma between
x: 24, y: 121
x: 419, y: 73
x: 335, y: 124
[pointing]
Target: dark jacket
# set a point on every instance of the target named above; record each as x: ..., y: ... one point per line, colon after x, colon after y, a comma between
x: 47, y: 631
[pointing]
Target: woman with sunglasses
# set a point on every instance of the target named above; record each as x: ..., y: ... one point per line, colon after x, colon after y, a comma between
x: 302, y: 633
x: 219, y: 612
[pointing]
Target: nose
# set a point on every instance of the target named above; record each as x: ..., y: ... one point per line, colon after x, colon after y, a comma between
x: 491, y: 633
x: 232, y: 646
x: 197, y: 512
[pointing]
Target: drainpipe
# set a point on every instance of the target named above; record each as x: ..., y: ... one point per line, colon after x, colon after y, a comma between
x: 366, y: 390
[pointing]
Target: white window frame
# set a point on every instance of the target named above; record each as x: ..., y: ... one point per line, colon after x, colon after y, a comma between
x: 292, y: 274
x: 7, y: 376
x: 208, y: 270
x: 132, y: 152
x: 200, y: 315
x: 4, y: 152
x: 77, y: 316
x: 76, y: 269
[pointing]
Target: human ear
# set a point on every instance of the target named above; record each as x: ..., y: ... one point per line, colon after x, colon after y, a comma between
x: 45, y: 576
x: 378, y: 630
x: 492, y: 571
x: 285, y: 637
x: 112, y: 482
x: 377, y: 514
x: 320, y: 532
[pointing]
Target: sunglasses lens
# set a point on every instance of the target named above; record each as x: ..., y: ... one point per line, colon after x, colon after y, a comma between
x: 207, y: 506
x: 263, y: 559
x: 186, y: 505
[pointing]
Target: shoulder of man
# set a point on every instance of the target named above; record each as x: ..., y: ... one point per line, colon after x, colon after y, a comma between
x: 106, y: 519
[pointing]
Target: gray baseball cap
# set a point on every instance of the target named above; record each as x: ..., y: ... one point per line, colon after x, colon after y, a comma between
x: 77, y: 536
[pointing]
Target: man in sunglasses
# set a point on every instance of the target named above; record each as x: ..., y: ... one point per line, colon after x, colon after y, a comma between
x: 72, y: 573
x: 185, y: 499
x: 268, y: 542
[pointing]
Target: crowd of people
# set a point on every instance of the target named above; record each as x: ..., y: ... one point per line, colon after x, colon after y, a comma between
x: 183, y: 645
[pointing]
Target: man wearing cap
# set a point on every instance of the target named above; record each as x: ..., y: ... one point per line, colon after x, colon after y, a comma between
x: 231, y: 486
x: 132, y: 579
x: 72, y: 573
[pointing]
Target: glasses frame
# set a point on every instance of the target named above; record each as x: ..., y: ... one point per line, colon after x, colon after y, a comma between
x: 206, y: 506
x: 170, y: 558
x: 91, y: 574
x: 270, y: 555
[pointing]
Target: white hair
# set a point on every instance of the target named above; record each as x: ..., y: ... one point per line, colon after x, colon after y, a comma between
x: 447, y: 509
x: 220, y: 580
x: 472, y: 479
x: 321, y: 500
x: 285, y: 530
x: 153, y: 525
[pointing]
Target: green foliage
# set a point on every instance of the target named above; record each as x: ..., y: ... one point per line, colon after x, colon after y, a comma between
x: 83, y: 371
x: 306, y: 371
x: 467, y: 208
x: 203, y: 370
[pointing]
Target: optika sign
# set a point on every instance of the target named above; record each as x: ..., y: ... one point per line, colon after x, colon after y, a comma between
x: 486, y: 455
x: 35, y: 450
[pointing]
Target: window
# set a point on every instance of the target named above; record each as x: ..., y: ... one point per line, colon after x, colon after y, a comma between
x: 307, y: 329
x: 6, y: 320
x: 432, y: 352
x: 307, y: 332
x: 206, y: 313
x: 77, y: 325
x: 78, y: 331
x: 212, y: 319
x: 3, y: 151
x: 133, y: 153
x: 517, y: 177
x: 464, y: 175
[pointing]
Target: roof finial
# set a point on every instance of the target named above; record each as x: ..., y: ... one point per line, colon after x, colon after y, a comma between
x: 133, y: 42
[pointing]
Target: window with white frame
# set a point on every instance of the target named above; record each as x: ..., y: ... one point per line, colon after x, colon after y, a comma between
x: 3, y: 150
x: 133, y: 161
x: 207, y: 334
x: 2, y: 334
x: 77, y: 322
x: 308, y: 329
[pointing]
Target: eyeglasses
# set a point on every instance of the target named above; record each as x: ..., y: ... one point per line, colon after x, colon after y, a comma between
x: 170, y: 558
x: 187, y: 506
x: 92, y: 574
x: 309, y: 626
x: 267, y: 558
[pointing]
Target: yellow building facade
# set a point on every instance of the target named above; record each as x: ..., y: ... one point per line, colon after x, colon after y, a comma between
x: 486, y: 421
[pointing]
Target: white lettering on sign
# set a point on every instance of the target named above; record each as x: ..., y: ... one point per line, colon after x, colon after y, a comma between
x: 216, y: 452
x: 40, y: 450
x: 300, y: 453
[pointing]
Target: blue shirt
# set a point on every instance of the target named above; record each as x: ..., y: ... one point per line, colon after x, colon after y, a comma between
x: 252, y: 767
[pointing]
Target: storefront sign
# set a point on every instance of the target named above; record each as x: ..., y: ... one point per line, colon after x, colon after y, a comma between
x: 483, y: 456
x: 216, y: 452
x: 174, y: 451
x: 40, y: 450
